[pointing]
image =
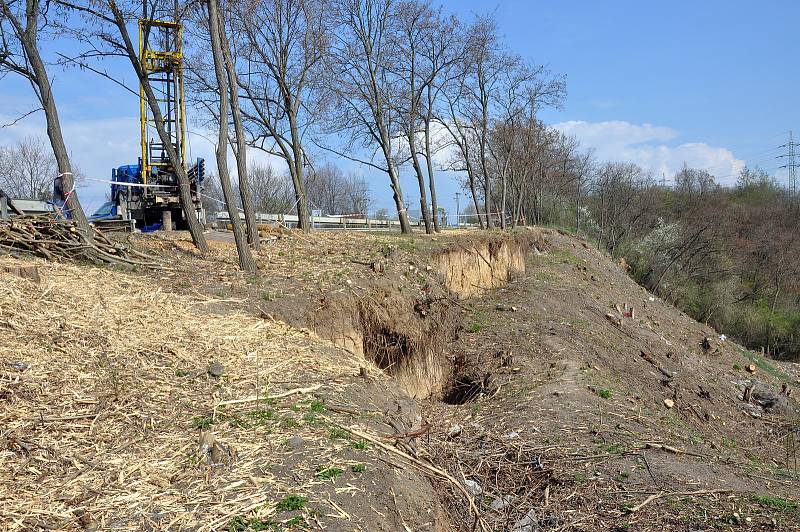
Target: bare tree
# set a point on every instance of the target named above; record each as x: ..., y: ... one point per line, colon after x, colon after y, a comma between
x: 357, y: 196
x: 691, y: 182
x: 414, y: 20
x: 285, y: 41
x: 525, y: 170
x: 584, y: 166
x: 20, y: 24
x: 272, y: 192
x: 440, y: 54
x: 215, y: 27
x: 521, y: 91
x: 502, y: 140
x: 204, y: 93
x: 453, y: 118
x: 330, y: 190
x: 467, y: 111
x: 362, y: 87
x: 212, y: 198
x: 618, y: 202
x: 488, y: 61
x: 27, y: 169
x: 240, y: 146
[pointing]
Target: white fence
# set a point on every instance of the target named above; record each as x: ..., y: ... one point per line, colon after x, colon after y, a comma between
x: 322, y: 222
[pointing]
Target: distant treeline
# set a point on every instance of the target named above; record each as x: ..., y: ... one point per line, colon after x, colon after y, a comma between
x: 727, y: 256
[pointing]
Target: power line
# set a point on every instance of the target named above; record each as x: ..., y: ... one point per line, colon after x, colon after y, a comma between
x: 791, y: 164
x: 761, y: 162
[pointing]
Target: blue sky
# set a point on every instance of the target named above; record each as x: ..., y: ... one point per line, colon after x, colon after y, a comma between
x: 712, y: 83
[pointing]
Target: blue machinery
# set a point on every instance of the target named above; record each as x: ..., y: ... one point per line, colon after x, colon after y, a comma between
x: 148, y: 192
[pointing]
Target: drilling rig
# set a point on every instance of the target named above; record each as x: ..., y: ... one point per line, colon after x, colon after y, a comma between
x: 148, y: 192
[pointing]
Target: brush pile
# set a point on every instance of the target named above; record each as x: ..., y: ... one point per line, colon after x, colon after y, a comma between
x: 53, y: 239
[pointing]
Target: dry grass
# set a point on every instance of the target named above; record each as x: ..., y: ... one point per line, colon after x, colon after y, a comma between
x: 99, y: 422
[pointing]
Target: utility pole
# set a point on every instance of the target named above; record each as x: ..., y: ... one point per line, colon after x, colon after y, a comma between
x: 791, y: 165
x: 458, y: 210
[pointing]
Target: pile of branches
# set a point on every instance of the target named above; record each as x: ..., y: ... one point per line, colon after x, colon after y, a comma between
x: 55, y: 239
x: 510, y: 479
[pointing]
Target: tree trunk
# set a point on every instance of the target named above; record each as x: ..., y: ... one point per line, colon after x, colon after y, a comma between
x: 474, y: 192
x: 431, y: 179
x: 503, y: 200
x: 487, y: 202
x: 301, y: 199
x: 41, y: 85
x: 397, y: 195
x: 59, y: 148
x: 487, y: 183
x: 246, y: 261
x: 487, y: 187
x: 517, y: 209
x: 241, y: 145
x: 195, y: 229
x: 296, y: 170
x: 423, y: 196
x: 397, y: 192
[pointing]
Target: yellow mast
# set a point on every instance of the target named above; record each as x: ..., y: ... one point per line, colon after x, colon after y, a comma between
x: 162, y: 69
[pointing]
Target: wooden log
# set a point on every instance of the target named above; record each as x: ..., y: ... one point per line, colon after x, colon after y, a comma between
x: 25, y: 272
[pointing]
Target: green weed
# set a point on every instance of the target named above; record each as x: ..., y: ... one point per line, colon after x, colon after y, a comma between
x: 291, y: 503
x: 766, y: 366
x: 777, y: 503
x: 261, y: 417
x: 328, y: 473
x: 202, y: 422
x: 241, y: 524
x: 312, y: 419
x: 298, y: 520
x: 335, y: 433
x: 289, y: 422
x: 477, y: 323
x: 614, y: 448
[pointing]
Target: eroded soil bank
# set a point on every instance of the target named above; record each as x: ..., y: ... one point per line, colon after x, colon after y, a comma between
x: 406, y: 315
x: 504, y: 360
x: 544, y: 393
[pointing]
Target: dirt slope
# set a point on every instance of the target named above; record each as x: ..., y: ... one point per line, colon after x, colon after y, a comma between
x: 570, y: 419
x: 503, y: 360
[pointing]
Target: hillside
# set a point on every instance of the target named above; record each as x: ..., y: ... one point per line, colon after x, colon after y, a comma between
x: 375, y: 382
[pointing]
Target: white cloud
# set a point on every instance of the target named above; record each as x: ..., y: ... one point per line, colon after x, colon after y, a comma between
x: 652, y: 147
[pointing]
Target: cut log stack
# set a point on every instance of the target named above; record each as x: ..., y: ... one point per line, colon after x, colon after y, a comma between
x: 54, y: 239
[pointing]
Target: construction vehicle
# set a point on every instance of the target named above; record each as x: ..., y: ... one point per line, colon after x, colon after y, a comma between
x: 147, y: 193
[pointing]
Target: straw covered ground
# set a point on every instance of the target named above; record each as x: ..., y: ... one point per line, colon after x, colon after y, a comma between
x: 126, y: 407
